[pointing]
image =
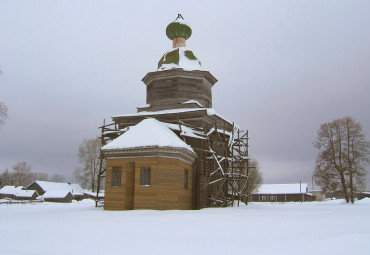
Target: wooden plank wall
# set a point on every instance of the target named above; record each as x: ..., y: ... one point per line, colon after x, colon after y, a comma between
x: 168, y: 92
x: 165, y: 192
x: 130, y: 186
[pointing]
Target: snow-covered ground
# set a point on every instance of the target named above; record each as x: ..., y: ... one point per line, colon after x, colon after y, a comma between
x: 330, y: 227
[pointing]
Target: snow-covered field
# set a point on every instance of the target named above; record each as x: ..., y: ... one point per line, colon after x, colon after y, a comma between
x: 331, y: 227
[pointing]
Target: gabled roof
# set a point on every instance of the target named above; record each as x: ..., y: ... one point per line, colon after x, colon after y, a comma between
x: 10, y: 190
x: 147, y: 133
x: 76, y: 189
x: 26, y: 193
x: 56, y: 194
x: 46, y: 186
x: 294, y: 188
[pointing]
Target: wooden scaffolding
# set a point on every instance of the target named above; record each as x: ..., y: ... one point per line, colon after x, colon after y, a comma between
x: 222, y: 163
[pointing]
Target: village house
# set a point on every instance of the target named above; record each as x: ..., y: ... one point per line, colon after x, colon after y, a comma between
x: 9, y: 191
x: 26, y: 195
x: 317, y: 194
x: 60, y: 196
x: 296, y: 192
x: 59, y: 190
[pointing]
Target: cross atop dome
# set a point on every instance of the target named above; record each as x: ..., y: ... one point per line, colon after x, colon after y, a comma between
x: 178, y: 31
x: 179, y: 56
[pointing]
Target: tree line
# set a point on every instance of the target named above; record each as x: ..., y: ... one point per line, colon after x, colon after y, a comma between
x: 22, y: 175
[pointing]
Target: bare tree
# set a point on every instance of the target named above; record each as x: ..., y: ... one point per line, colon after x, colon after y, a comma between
x: 88, y: 154
x: 39, y: 176
x: 254, y: 180
x: 6, y: 178
x: 22, y: 174
x: 3, y: 113
x: 343, y: 154
x: 57, y: 178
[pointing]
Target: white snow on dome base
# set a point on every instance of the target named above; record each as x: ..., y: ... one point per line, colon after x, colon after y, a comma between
x: 148, y: 132
x: 184, y: 62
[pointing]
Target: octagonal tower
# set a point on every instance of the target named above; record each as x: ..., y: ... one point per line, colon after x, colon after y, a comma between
x: 179, y: 81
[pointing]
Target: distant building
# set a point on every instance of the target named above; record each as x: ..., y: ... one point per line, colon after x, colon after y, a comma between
x: 77, y: 191
x: 61, y: 196
x: 362, y: 195
x: 26, y: 195
x: 295, y: 192
x: 9, y: 191
x: 44, y: 186
x: 317, y: 195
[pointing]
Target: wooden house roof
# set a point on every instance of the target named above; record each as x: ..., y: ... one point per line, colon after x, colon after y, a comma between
x: 56, y: 194
x: 26, y: 193
x: 294, y: 188
x: 46, y: 186
x: 10, y: 190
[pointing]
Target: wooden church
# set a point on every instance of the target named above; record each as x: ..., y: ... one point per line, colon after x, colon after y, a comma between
x: 176, y: 152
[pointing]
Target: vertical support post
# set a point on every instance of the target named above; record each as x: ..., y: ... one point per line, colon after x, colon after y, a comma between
x: 300, y: 191
x: 100, y: 164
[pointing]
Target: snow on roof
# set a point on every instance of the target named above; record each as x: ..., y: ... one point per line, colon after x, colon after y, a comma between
x: 56, y: 194
x: 193, y: 102
x: 93, y: 194
x: 10, y: 190
x: 185, y: 131
x: 210, y: 112
x: 219, y: 130
x: 75, y: 189
x: 294, y: 188
x: 147, y: 133
x: 145, y: 113
x: 46, y: 186
x: 25, y: 193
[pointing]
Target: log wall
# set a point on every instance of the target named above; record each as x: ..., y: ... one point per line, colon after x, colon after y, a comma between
x: 169, y: 93
x: 166, y: 190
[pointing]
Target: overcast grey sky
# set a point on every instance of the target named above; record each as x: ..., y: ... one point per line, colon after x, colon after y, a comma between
x: 284, y: 67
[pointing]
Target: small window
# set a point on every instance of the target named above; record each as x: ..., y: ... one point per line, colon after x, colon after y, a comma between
x: 116, y: 176
x: 145, y: 176
x: 272, y: 198
x: 263, y: 198
x: 186, y: 178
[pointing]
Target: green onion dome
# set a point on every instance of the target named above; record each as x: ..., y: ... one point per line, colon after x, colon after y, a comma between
x: 178, y: 28
x: 179, y: 56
